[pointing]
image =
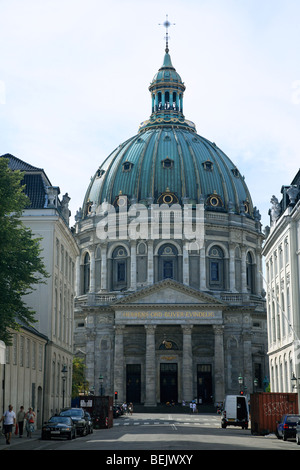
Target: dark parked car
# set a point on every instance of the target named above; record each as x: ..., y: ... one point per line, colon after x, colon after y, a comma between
x: 79, y: 418
x: 90, y: 422
x: 286, y: 428
x: 298, y: 433
x: 59, y: 426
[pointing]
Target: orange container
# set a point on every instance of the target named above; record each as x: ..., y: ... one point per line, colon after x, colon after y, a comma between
x: 266, y: 409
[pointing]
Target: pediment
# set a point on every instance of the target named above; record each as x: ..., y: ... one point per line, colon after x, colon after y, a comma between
x: 170, y: 292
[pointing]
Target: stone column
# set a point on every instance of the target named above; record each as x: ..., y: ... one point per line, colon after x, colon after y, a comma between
x: 119, y: 363
x: 150, y: 372
x: 232, y: 267
x: 219, y: 363
x: 103, y: 285
x: 78, y: 277
x: 133, y: 265
x: 202, y: 269
x: 92, y: 271
x: 187, y: 363
x: 259, y: 285
x: 185, y: 263
x: 247, y: 359
x: 90, y: 351
x: 244, y: 271
x: 150, y: 263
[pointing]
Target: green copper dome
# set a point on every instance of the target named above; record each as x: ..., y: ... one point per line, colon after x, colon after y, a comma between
x: 168, y: 162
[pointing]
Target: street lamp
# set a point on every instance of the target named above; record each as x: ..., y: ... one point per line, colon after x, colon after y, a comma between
x: 255, y: 383
x: 240, y: 380
x: 101, y: 384
x: 64, y: 377
x: 294, y: 381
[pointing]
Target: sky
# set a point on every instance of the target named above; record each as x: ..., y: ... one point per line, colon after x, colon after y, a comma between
x: 74, y: 77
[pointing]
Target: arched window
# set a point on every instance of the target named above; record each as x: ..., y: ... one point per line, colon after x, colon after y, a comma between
x: 168, y: 262
x: 120, y: 275
x: 250, y: 273
x: 86, y: 273
x: 216, y: 268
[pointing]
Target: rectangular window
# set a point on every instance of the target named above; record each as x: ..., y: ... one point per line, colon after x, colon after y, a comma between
x: 121, y: 272
x: 168, y: 270
x: 214, y: 271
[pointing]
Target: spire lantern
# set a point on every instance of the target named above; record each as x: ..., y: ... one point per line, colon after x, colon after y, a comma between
x: 167, y: 89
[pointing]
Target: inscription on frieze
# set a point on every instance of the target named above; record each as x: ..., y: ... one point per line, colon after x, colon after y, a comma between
x: 179, y: 315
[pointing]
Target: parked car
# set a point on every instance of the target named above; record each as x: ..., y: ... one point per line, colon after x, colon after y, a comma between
x: 59, y: 426
x: 90, y: 422
x: 286, y: 428
x: 79, y: 418
x: 298, y: 433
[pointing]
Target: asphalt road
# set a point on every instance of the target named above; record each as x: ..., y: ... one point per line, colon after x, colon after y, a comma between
x: 151, y: 434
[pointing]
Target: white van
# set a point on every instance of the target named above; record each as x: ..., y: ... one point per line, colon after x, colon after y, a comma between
x: 235, y: 411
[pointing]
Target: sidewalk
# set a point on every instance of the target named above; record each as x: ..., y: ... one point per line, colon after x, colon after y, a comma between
x: 17, y: 440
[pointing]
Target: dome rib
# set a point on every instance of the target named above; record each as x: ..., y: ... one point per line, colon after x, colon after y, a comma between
x: 182, y: 172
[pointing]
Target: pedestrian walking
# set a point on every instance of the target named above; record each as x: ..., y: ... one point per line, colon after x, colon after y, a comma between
x: 130, y: 408
x: 30, y: 420
x: 9, y: 419
x: 20, y: 420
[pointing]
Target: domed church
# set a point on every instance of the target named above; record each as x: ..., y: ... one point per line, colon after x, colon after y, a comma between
x: 169, y: 300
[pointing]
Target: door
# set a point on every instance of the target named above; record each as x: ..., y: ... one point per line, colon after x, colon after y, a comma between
x: 168, y: 383
x: 204, y: 383
x: 133, y: 383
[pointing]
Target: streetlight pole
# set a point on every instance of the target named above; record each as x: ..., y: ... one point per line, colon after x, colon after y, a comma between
x: 101, y: 384
x: 64, y: 372
x: 295, y: 384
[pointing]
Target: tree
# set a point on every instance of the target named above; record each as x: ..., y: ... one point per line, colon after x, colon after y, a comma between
x: 78, y: 377
x: 21, y: 264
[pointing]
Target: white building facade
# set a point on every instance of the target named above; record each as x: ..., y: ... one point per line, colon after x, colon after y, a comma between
x: 281, y: 251
x: 53, y: 301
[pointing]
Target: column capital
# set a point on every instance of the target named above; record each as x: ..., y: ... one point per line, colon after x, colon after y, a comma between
x: 119, y: 329
x: 218, y: 329
x: 150, y: 328
x: 187, y: 329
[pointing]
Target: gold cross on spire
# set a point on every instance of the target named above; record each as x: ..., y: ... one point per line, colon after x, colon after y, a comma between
x: 166, y: 24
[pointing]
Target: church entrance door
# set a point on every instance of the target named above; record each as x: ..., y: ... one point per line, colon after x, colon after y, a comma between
x: 133, y: 383
x: 204, y: 383
x: 168, y: 383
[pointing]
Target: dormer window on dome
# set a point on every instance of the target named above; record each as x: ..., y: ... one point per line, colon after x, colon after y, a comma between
x: 214, y: 200
x: 208, y: 165
x: 235, y: 172
x: 121, y: 201
x: 167, y: 197
x: 127, y: 166
x: 167, y: 163
x: 100, y: 173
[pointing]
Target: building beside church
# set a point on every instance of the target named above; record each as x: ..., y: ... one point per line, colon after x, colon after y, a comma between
x: 38, y: 367
x: 281, y: 251
x: 169, y: 302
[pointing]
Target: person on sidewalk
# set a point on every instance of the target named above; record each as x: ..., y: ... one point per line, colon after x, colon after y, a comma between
x: 20, y: 420
x: 30, y: 417
x: 9, y: 419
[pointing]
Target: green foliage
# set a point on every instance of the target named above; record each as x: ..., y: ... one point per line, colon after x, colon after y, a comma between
x: 21, y: 264
x: 78, y: 378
